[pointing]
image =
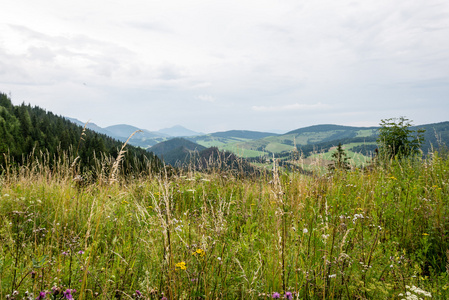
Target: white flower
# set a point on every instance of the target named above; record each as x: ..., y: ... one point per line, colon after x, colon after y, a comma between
x: 305, y: 230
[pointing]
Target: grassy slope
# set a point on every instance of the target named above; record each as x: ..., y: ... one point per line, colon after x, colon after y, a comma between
x: 351, y: 235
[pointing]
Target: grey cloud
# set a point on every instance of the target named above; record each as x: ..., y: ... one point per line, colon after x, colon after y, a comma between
x: 79, y: 42
x: 169, y: 72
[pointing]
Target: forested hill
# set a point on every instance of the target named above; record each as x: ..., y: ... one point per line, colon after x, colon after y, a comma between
x: 26, y: 130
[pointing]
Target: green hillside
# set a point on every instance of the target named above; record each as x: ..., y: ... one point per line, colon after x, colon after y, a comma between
x: 220, y: 139
x: 31, y: 133
x: 176, y: 151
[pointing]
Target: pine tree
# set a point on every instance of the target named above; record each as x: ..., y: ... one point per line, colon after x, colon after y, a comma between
x: 340, y: 159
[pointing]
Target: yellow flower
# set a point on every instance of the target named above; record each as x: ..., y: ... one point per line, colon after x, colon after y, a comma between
x: 425, y: 233
x: 200, y: 252
x: 181, y: 265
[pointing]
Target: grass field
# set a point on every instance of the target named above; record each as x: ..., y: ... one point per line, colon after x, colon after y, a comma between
x: 374, y: 234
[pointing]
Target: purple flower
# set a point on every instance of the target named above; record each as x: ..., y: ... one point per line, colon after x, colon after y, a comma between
x: 81, y: 252
x: 138, y: 293
x: 65, y: 253
x: 276, y: 295
x: 68, y: 294
x: 164, y: 298
x: 55, y: 290
x: 41, y: 295
x: 288, y: 295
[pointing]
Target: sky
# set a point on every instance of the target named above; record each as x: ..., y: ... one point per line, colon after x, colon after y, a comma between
x: 214, y: 65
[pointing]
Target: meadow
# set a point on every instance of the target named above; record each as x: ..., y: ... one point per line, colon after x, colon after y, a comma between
x: 373, y: 233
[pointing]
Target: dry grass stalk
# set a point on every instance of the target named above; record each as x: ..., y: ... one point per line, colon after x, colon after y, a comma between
x: 121, y: 154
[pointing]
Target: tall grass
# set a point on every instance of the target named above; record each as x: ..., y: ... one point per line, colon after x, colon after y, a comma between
x: 375, y: 234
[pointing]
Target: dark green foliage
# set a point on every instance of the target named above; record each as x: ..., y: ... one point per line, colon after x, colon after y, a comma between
x: 214, y: 159
x: 163, y: 148
x: 435, y: 136
x: 396, y: 139
x: 176, y: 151
x: 27, y: 131
x: 327, y: 127
x: 366, y: 149
x: 340, y: 159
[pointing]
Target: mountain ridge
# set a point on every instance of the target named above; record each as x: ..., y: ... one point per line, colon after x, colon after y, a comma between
x: 247, y: 143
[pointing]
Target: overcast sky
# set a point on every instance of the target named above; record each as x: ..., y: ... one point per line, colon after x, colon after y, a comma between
x: 232, y: 64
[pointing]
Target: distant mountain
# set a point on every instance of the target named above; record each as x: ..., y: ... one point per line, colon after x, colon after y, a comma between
x: 92, y: 126
x: 122, y: 130
x: 178, y: 131
x: 176, y: 150
x: 436, y: 135
x: 143, y: 139
x: 232, y: 140
x: 180, y: 152
x: 247, y: 143
x: 242, y: 134
x: 169, y: 145
x: 309, y: 138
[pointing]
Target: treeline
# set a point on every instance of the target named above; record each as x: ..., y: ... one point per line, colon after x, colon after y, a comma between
x: 29, y: 132
x: 326, y: 145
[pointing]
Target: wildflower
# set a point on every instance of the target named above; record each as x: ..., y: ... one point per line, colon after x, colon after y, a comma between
x: 55, y: 290
x: 305, y: 230
x: 288, y: 295
x: 164, y: 298
x: 65, y: 253
x: 181, y: 265
x: 81, y: 252
x: 276, y: 295
x: 138, y: 293
x: 68, y: 294
x: 425, y: 233
x: 41, y: 295
x: 199, y: 252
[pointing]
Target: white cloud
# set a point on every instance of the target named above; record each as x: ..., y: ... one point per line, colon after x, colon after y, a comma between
x: 357, y: 56
x: 290, y: 107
